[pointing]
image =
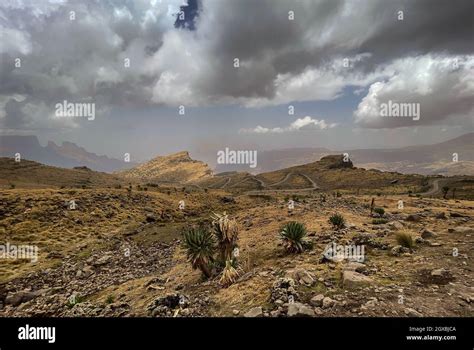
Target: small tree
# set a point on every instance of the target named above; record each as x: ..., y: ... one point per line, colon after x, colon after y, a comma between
x: 445, y: 190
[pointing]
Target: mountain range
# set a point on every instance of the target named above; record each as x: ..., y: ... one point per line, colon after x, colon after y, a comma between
x: 66, y: 155
x: 435, y: 159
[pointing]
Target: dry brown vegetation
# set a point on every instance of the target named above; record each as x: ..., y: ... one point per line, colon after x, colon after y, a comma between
x: 119, y: 252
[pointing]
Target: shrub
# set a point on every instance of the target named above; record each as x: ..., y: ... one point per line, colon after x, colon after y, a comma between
x: 405, y: 240
x: 379, y: 211
x: 292, y: 235
x: 73, y: 300
x: 337, y: 221
x: 110, y: 299
x: 200, y: 247
x: 380, y: 221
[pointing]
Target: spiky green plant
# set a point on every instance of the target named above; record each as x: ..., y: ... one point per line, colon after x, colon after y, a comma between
x: 200, y: 247
x: 337, y: 221
x: 405, y: 240
x: 226, y: 232
x: 292, y: 235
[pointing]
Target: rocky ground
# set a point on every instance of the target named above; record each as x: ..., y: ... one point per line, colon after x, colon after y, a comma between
x: 119, y: 254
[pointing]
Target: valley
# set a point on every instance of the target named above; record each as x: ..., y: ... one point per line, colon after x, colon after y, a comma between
x: 120, y: 250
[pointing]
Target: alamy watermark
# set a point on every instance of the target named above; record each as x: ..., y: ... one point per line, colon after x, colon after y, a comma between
x: 228, y: 156
x: 14, y: 252
x: 351, y: 252
x: 402, y: 110
x: 75, y: 110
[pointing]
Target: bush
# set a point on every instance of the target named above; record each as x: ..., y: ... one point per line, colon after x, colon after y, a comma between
x: 379, y: 221
x: 337, y: 221
x: 292, y: 235
x: 200, y: 247
x: 379, y: 211
x: 110, y: 299
x: 405, y: 240
x: 73, y: 300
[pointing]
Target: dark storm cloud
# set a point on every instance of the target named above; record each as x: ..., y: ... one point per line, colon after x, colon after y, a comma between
x: 281, y: 60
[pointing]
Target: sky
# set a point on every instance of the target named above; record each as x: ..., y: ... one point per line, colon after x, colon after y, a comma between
x: 257, y: 75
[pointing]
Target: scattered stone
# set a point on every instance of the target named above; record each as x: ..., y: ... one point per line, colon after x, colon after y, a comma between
x: 299, y: 310
x: 352, y: 279
x: 254, y: 312
x: 301, y: 276
x: 426, y: 233
x: 395, y: 225
x: 419, y: 240
x: 328, y: 302
x: 168, y: 304
x: 399, y: 250
x: 283, y: 289
x: 413, y: 218
x: 412, y: 312
x: 461, y: 229
x: 355, y: 266
x: 227, y: 199
x: 150, y: 218
x: 18, y: 298
x: 317, y: 300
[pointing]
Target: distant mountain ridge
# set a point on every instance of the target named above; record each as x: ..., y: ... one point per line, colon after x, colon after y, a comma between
x: 67, y: 155
x: 436, y: 159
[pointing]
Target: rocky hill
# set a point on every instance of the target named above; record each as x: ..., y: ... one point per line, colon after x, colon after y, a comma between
x: 174, y: 168
x: 331, y: 172
x: 31, y: 174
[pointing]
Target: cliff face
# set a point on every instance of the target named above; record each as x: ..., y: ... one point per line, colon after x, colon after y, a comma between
x: 178, y: 168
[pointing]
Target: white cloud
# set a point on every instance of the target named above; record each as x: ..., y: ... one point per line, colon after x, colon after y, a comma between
x: 306, y: 123
x: 443, y: 86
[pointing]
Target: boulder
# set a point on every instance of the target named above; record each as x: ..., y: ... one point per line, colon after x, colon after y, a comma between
x: 352, y: 279
x: 395, y: 225
x: 254, y: 312
x: 299, y: 310
x: 426, y: 233
x: 21, y: 297
x: 301, y: 276
x: 413, y: 218
x: 328, y: 302
x: 317, y: 300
